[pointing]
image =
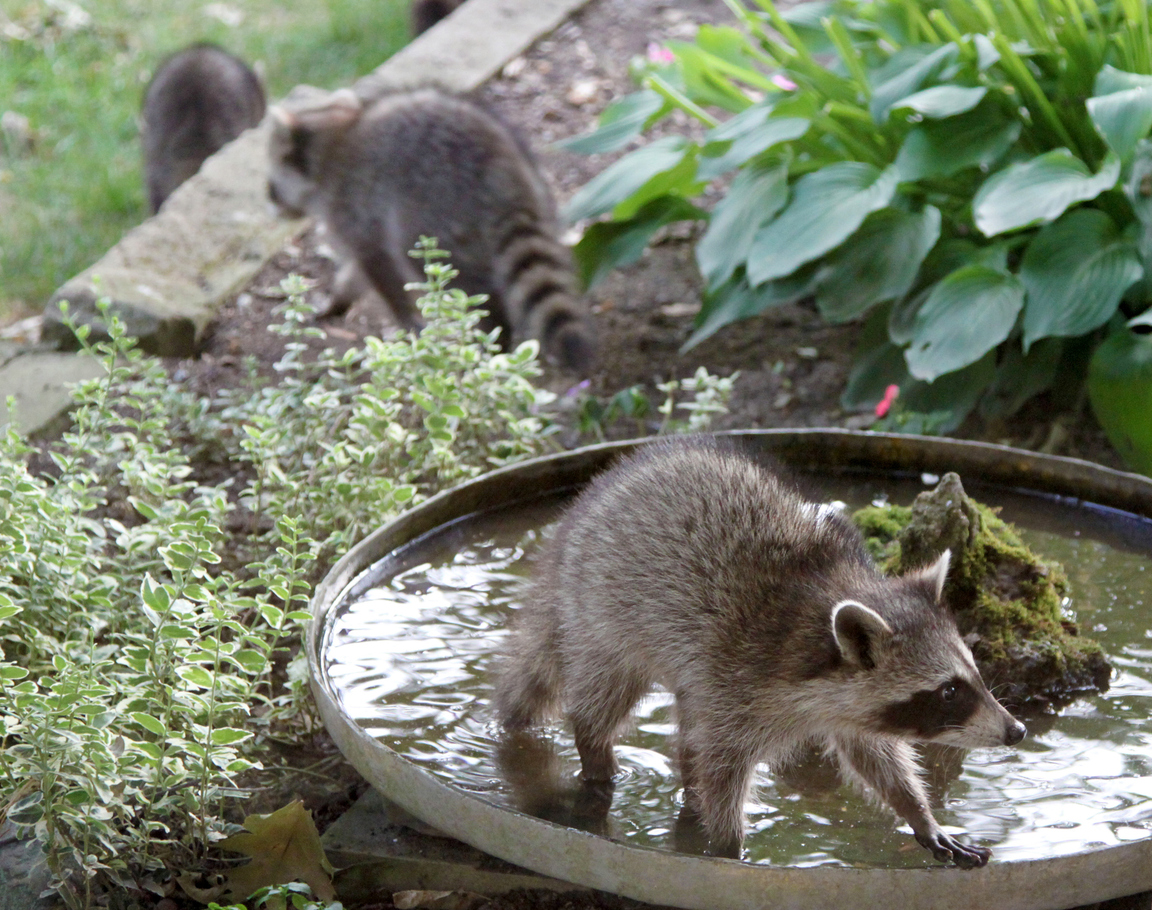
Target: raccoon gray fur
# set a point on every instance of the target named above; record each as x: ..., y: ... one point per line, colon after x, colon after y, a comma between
x: 199, y: 100
x: 429, y: 163
x: 692, y: 566
x: 426, y: 13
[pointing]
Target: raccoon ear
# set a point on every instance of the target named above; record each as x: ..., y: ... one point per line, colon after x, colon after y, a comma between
x: 282, y: 117
x: 936, y: 574
x: 860, y: 631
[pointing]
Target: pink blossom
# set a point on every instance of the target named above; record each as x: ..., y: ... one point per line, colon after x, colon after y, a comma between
x: 782, y: 81
x: 885, y: 404
x: 658, y: 53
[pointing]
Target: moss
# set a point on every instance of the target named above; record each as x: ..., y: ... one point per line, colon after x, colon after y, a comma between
x: 1008, y: 601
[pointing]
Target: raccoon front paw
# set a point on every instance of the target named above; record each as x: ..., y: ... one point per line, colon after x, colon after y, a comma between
x: 949, y: 850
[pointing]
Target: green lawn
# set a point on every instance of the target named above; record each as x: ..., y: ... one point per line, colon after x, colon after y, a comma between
x: 79, y: 78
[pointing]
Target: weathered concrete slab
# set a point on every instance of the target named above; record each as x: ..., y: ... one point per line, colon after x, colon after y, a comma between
x: 378, y: 849
x: 38, y: 383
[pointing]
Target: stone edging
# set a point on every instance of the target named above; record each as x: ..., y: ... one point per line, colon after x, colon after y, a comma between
x: 168, y: 276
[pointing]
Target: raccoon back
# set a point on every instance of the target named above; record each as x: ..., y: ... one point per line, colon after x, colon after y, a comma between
x: 691, y: 552
x: 199, y: 99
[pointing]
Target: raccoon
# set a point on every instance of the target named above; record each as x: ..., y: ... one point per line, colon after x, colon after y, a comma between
x: 426, y: 13
x: 429, y: 163
x: 199, y: 100
x: 694, y: 566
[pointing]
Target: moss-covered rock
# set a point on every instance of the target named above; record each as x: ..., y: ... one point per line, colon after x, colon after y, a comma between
x: 1008, y: 602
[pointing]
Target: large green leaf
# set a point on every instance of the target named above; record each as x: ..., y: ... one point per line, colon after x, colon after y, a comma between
x: 609, y: 244
x: 1075, y: 271
x: 879, y: 262
x: 942, y: 101
x: 1110, y: 80
x: 1039, y: 190
x: 1120, y: 390
x: 827, y: 207
x: 908, y: 70
x: 940, y: 148
x: 1020, y: 376
x: 745, y: 136
x: 952, y: 397
x: 756, y: 195
x: 1121, y: 111
x: 666, y: 165
x: 736, y: 300
x: 620, y: 122
x: 967, y: 314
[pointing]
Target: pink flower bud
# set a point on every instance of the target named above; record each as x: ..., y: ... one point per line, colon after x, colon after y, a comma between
x: 885, y: 404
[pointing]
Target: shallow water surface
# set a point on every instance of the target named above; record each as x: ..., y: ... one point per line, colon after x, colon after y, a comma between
x: 411, y: 647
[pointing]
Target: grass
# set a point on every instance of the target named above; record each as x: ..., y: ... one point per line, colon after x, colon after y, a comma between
x: 79, y: 78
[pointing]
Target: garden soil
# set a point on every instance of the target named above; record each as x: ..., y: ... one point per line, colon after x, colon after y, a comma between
x: 792, y: 367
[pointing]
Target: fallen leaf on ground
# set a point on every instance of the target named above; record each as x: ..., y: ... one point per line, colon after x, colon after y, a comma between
x: 285, y: 847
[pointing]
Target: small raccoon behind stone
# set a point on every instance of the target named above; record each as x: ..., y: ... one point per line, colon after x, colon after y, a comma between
x: 426, y: 13
x: 199, y: 100
x: 692, y: 566
x: 429, y: 163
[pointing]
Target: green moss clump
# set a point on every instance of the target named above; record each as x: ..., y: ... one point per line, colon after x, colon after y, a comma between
x: 1008, y: 602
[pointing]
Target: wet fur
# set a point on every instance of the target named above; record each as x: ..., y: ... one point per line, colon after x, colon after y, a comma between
x: 690, y: 566
x: 429, y: 163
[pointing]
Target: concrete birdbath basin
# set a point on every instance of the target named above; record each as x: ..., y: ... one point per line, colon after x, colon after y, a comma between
x: 407, y: 626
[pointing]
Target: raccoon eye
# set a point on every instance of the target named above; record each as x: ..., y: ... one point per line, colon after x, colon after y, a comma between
x: 948, y: 692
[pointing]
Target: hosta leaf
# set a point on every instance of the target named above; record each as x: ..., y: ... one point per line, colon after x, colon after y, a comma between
x: 1110, y: 80
x: 907, y: 72
x: 656, y: 168
x: 1122, y: 117
x: 942, y: 101
x: 610, y: 244
x: 952, y: 397
x: 745, y: 136
x: 1075, y: 272
x: 940, y: 148
x: 1020, y: 376
x: 756, y: 195
x: 827, y: 207
x: 737, y: 300
x: 967, y: 314
x: 879, y: 262
x: 620, y: 122
x: 1039, y: 191
x: 1120, y: 390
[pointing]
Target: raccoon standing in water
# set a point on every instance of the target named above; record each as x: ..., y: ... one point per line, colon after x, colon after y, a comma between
x: 199, y: 100
x: 429, y: 163
x: 426, y: 13
x: 691, y: 566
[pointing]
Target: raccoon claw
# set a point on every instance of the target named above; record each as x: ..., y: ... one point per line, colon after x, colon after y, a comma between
x: 949, y: 850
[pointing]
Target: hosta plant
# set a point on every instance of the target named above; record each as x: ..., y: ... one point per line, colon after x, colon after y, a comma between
x: 972, y: 179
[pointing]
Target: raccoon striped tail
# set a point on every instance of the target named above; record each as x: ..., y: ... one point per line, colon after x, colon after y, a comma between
x: 541, y: 299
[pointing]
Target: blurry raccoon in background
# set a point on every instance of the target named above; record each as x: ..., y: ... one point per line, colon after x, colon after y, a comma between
x: 199, y: 100
x: 428, y: 163
x: 426, y: 13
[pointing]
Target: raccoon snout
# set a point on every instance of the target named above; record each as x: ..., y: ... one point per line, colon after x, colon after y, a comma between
x: 1014, y: 732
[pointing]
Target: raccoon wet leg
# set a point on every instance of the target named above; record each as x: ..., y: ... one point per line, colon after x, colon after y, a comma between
x: 717, y: 771
x: 599, y: 702
x: 888, y: 768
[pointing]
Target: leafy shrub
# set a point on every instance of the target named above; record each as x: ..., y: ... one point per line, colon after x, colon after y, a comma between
x: 144, y: 609
x: 974, y: 178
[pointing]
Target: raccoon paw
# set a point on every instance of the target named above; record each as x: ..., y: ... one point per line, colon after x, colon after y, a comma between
x: 949, y: 850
